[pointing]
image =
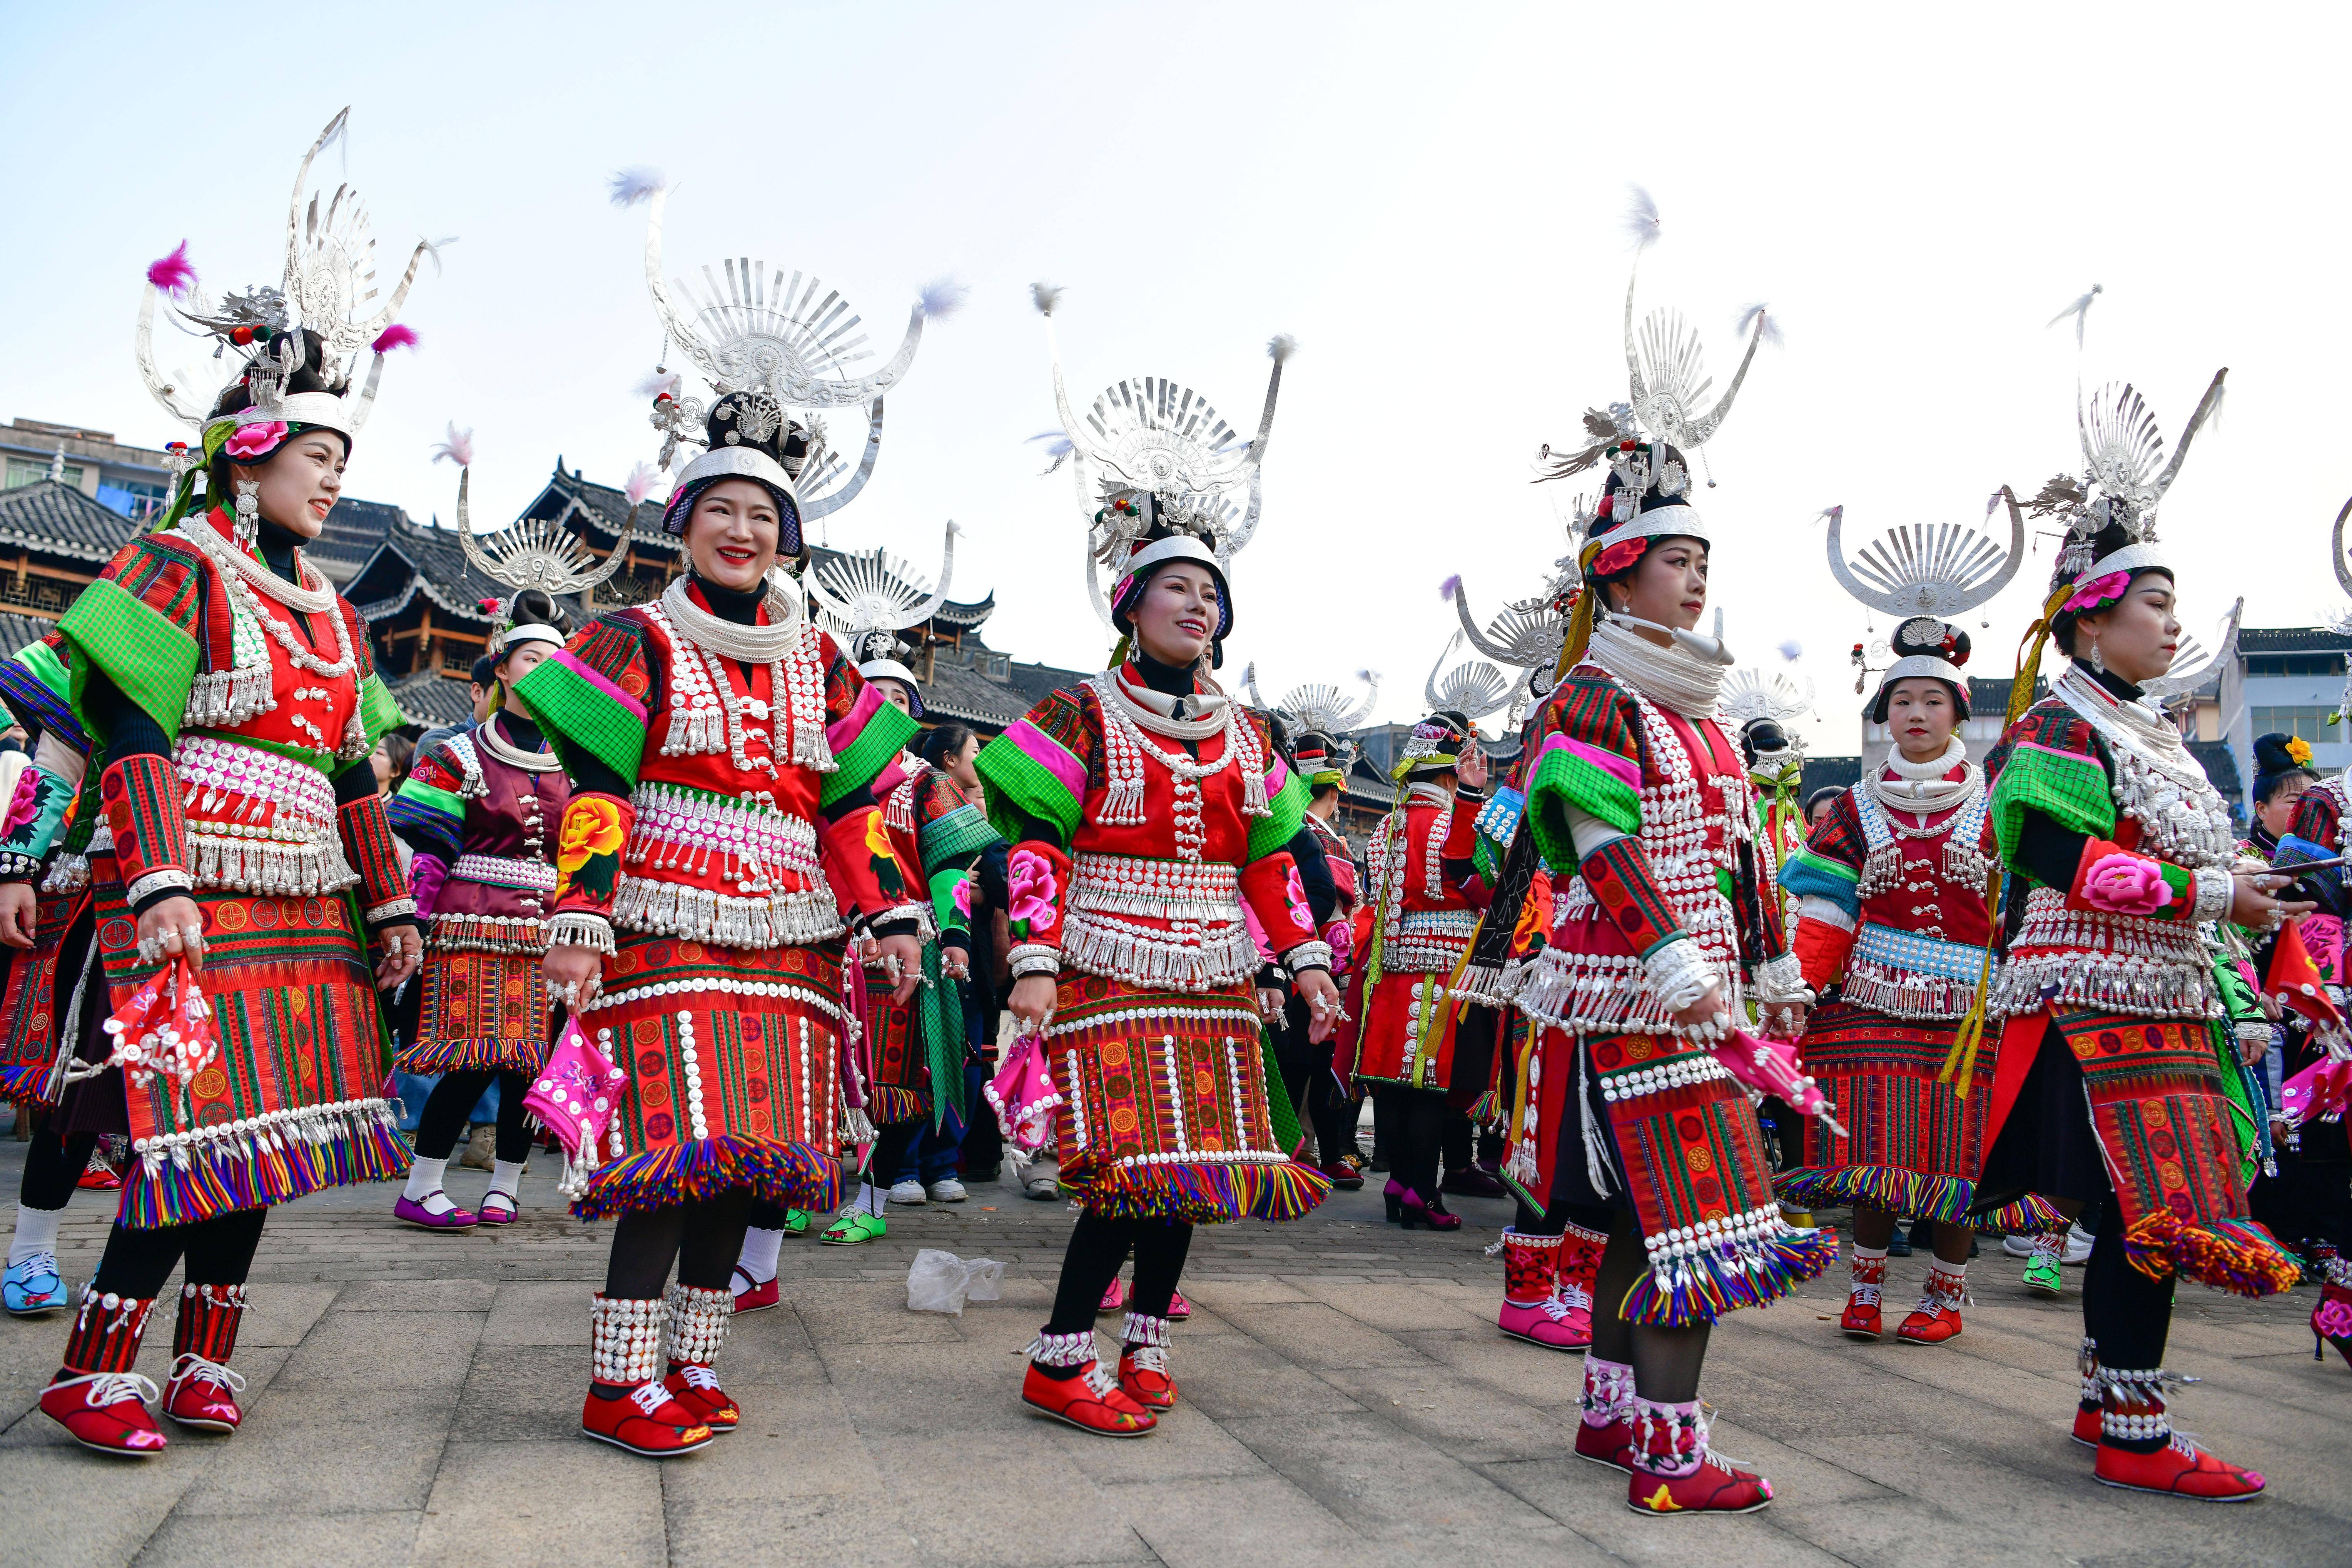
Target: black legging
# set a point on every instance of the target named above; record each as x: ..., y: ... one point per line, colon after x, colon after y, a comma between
x: 53, y: 1165
x: 702, y: 1237
x: 218, y: 1251
x: 1413, y: 1121
x: 444, y: 1116
x: 2129, y: 1314
x: 890, y: 1146
x: 1098, y: 1246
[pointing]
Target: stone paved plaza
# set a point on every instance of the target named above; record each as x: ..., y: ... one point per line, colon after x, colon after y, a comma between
x: 413, y: 1398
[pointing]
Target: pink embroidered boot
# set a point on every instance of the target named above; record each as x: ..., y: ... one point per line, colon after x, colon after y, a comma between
x: 1605, y: 1435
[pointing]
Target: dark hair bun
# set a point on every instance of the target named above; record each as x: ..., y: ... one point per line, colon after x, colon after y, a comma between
x: 536, y: 605
x: 2270, y: 755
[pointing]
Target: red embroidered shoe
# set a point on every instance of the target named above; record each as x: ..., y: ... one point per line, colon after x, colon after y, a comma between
x: 1533, y: 1310
x: 1092, y: 1402
x: 696, y: 1387
x: 1937, y: 1318
x: 1143, y: 1377
x: 2087, y: 1426
x: 106, y: 1412
x: 96, y: 1396
x: 2087, y: 1407
x: 1675, y: 1471
x: 757, y: 1297
x: 645, y: 1421
x: 2179, y: 1468
x: 1612, y: 1445
x: 201, y: 1392
x: 1860, y: 1316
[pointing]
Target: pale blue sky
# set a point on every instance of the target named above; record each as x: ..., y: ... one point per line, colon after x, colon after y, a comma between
x: 1428, y: 197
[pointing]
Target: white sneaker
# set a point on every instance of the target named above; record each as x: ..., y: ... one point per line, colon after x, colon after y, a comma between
x: 949, y: 1191
x: 2017, y: 1245
x: 1043, y: 1181
x: 908, y: 1192
x: 2078, y: 1245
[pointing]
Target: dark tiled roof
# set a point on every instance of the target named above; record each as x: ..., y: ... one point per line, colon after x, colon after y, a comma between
x: 2220, y: 765
x: 354, y: 529
x: 436, y: 566
x: 2291, y: 639
x: 60, y: 519
x: 1837, y: 773
x: 16, y: 630
x: 431, y: 700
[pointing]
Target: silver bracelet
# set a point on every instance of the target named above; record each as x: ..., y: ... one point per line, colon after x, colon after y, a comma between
x: 156, y: 881
x: 1679, y: 972
x: 574, y: 928
x: 2214, y: 887
x: 2256, y: 1032
x: 1780, y: 982
x: 1034, y: 958
x: 388, y: 908
x: 1308, y: 955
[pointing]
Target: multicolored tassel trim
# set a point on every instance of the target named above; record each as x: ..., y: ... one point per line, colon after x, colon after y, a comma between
x: 1202, y: 1193
x: 790, y: 1175
x: 522, y: 1054
x: 1910, y: 1195
x: 180, y: 1177
x: 887, y: 1103
x: 1701, y: 1288
x: 2239, y: 1255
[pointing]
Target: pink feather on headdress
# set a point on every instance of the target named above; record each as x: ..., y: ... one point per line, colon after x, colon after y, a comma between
x: 641, y: 482
x: 459, y: 448
x: 173, y: 274
x: 1451, y: 586
x: 394, y: 336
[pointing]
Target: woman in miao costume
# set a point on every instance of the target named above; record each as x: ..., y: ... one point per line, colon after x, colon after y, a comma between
x: 1663, y: 929
x: 2119, y: 1079
x: 865, y: 600
x: 1144, y: 806
x: 1893, y: 911
x: 231, y: 702
x: 45, y: 916
x: 480, y: 809
x: 721, y: 747
x: 1422, y: 927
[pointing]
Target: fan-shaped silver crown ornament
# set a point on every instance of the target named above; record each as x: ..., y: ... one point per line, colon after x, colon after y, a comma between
x: 1148, y: 436
x: 1319, y: 706
x: 1937, y: 569
x: 1472, y: 688
x: 866, y: 597
x: 327, y: 286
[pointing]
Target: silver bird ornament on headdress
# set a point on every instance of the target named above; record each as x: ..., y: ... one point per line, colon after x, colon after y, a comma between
x: 1472, y: 688
x: 327, y: 286
x: 787, y: 341
x: 2191, y: 665
x: 1150, y: 437
x: 1527, y: 633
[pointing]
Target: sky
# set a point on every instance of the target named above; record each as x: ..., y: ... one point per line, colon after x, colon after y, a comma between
x: 1429, y: 199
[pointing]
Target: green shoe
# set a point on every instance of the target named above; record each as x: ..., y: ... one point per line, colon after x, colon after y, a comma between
x: 796, y: 1222
x: 856, y: 1227
x: 2042, y: 1276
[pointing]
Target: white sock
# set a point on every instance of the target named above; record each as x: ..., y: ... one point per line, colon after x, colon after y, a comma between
x: 757, y: 1261
x: 425, y: 1185
x: 875, y: 1199
x: 1861, y: 1252
x: 506, y: 1176
x: 36, y: 1233
x: 1957, y: 1270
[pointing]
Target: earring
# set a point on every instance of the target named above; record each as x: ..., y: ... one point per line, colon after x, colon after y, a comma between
x: 248, y: 513
x: 2096, y: 662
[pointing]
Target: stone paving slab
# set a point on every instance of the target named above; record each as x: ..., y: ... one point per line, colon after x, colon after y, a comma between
x: 413, y: 1399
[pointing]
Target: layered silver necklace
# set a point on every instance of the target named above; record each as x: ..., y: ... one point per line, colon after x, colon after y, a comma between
x: 2158, y: 783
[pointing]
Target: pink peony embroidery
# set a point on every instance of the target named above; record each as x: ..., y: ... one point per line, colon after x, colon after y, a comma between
x: 1030, y: 877
x: 963, y: 896
x: 25, y: 804
x: 2124, y: 884
x: 2099, y: 590
x: 256, y: 440
x: 1293, y: 893
x: 2334, y: 1319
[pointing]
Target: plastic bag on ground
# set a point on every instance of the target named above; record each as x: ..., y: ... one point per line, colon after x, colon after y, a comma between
x: 942, y: 1282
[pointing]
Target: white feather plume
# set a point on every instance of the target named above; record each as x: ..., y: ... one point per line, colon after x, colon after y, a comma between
x: 1044, y: 296
x: 1057, y: 447
x: 1771, y: 329
x: 1792, y: 651
x: 459, y: 448
x: 2079, y: 310
x: 657, y: 382
x: 433, y: 249
x: 942, y: 297
x: 641, y: 483
x: 1280, y: 347
x: 1642, y: 224
x: 630, y: 186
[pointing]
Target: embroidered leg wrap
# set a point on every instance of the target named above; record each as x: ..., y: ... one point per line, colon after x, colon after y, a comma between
x: 1948, y: 1286
x: 106, y: 1332
x: 697, y: 1323
x: 208, y: 1321
x: 1579, y: 1264
x: 2134, y: 1415
x: 624, y: 1337
x: 1869, y: 1276
x: 1143, y: 1330
x: 1608, y: 1391
x: 2086, y: 1362
x: 1531, y: 1268
x: 1669, y: 1439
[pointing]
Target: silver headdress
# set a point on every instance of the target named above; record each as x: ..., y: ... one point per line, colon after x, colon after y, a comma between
x: 866, y: 597
x: 1668, y: 385
x: 1750, y: 693
x: 1471, y: 688
x: 1158, y: 471
x: 329, y: 286
x: 1927, y: 575
x: 1319, y: 707
x: 534, y: 553
x: 1529, y: 632
x: 776, y: 342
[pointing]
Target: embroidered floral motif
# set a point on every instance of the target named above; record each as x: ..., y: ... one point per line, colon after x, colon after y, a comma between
x: 2126, y: 885
x: 256, y: 440
x: 1034, y: 890
x: 587, y: 858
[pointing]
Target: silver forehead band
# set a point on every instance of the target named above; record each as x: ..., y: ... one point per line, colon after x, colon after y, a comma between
x: 2135, y: 558
x: 1915, y: 664
x: 889, y: 669
x: 1658, y: 523
x: 530, y: 631
x: 737, y: 463
x: 323, y: 410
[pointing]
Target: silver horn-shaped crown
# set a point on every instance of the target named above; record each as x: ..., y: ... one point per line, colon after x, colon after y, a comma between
x: 535, y: 553
x: 1750, y: 693
x: 2191, y: 665
x: 867, y: 597
x: 329, y: 286
x: 1938, y: 569
x: 1471, y: 688
x: 1319, y: 705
